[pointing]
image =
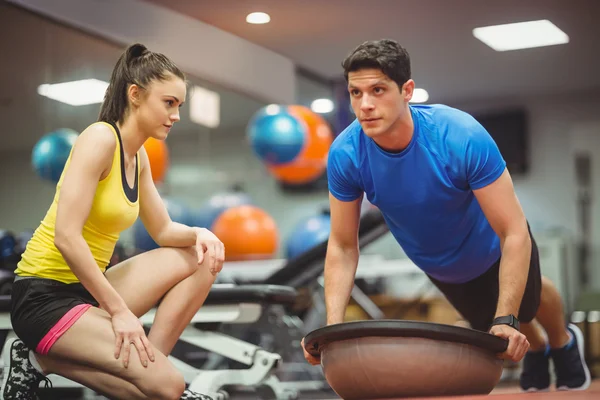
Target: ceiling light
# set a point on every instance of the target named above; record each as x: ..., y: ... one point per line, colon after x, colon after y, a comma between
x: 419, y: 96
x: 521, y: 35
x: 75, y: 93
x: 322, y: 106
x: 258, y: 18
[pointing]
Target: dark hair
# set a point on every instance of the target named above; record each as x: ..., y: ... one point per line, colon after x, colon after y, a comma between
x: 137, y: 65
x: 386, y: 54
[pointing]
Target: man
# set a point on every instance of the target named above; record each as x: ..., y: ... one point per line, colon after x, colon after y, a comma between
x: 442, y: 185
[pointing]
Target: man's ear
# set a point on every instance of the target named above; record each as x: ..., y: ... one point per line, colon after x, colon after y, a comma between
x: 408, y: 89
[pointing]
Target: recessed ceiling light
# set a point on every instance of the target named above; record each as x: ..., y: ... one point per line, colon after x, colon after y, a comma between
x: 75, y: 93
x: 258, y: 18
x: 322, y: 106
x: 419, y: 96
x: 521, y: 35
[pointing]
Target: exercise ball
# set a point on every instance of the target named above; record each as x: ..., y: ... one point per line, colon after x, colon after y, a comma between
x: 51, y: 152
x: 8, y: 242
x: 307, y: 234
x: 248, y: 233
x: 275, y: 135
x: 206, y: 215
x: 178, y: 212
x: 158, y: 155
x: 400, y: 359
x: 311, y: 162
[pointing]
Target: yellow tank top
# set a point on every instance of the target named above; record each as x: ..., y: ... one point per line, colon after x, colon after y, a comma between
x: 114, y: 209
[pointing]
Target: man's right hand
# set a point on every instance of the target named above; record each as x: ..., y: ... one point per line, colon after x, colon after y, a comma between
x: 309, y: 357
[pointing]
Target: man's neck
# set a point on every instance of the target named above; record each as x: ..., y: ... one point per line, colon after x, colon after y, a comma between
x: 399, y: 136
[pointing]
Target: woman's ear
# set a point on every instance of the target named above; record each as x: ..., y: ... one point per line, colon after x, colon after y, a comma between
x: 134, y: 94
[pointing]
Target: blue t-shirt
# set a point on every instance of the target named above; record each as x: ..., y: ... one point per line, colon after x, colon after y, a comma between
x: 425, y: 192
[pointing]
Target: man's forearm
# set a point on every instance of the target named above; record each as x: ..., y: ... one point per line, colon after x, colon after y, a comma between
x: 340, y: 270
x: 514, y: 271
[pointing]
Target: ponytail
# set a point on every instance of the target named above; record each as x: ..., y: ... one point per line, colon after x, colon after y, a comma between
x: 137, y: 65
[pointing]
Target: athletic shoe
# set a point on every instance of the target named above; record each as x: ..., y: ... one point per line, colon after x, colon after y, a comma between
x: 189, y: 395
x: 535, y: 375
x: 571, y: 370
x: 21, y: 379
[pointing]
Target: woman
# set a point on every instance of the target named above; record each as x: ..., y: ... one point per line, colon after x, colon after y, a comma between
x: 73, y: 317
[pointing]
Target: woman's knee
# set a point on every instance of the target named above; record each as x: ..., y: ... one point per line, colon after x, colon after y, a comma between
x: 167, y: 384
x: 187, y: 259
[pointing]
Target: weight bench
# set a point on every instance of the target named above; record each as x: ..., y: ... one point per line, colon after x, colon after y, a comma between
x: 225, y: 304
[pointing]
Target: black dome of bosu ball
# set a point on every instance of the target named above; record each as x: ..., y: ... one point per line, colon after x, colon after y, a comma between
x: 391, y: 359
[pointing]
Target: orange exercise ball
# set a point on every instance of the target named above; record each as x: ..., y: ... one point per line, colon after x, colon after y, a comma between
x: 158, y: 154
x: 312, y: 160
x: 248, y: 233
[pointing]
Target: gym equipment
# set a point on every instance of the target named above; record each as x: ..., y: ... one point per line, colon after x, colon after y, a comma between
x: 6, y: 281
x: 394, y: 359
x: 275, y: 135
x: 50, y: 153
x: 281, y: 330
x: 307, y: 234
x: 272, y: 373
x: 310, y: 163
x: 306, y: 268
x: 225, y: 304
x: 585, y: 203
x: 248, y: 233
x: 587, y: 318
x: 9, y: 255
x: 158, y: 155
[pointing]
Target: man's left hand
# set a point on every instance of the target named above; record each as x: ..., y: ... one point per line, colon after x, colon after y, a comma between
x: 517, y: 342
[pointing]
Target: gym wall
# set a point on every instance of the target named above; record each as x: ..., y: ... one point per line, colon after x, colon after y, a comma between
x: 205, y: 161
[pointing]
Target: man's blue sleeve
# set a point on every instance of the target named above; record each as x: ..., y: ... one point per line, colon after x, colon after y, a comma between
x: 342, y: 175
x: 483, y: 162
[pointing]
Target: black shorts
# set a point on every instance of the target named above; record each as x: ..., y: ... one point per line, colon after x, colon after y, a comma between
x: 477, y: 299
x: 43, y: 309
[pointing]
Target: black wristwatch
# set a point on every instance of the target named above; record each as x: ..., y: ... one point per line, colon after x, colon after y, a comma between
x: 509, y: 320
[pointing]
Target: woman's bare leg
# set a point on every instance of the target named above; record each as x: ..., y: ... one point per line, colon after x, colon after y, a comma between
x: 85, y: 354
x: 170, y: 274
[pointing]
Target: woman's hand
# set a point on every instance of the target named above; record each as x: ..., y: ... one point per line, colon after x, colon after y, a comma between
x: 210, y: 249
x: 130, y: 331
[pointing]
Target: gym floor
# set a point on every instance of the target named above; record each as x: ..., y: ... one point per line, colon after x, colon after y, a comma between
x: 512, y: 392
x: 502, y: 392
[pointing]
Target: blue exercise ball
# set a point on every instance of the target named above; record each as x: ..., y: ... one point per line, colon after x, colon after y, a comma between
x: 178, y: 213
x: 308, y: 234
x: 51, y: 152
x: 8, y: 243
x: 276, y: 136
